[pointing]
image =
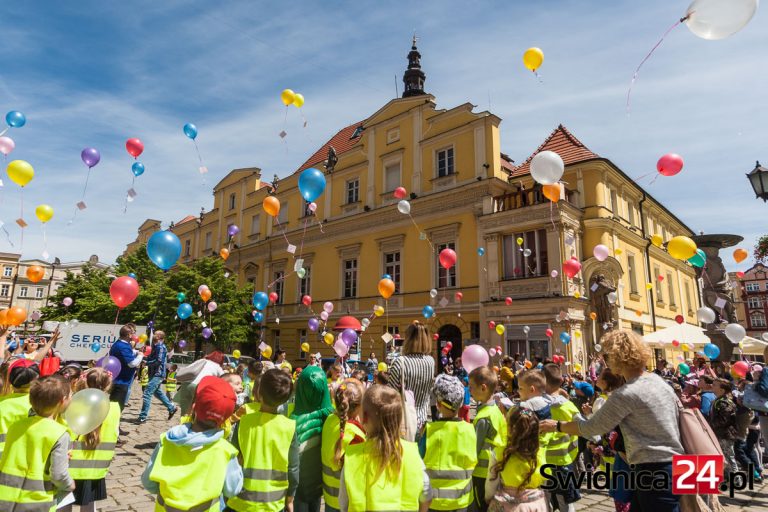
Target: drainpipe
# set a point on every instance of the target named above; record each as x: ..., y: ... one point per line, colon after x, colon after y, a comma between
x: 647, y: 260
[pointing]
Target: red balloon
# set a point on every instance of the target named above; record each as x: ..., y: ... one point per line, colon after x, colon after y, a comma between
x: 123, y: 291
x: 508, y: 301
x: 679, y: 319
x: 459, y: 296
x: 675, y: 343
x: 400, y: 193
x: 449, y: 345
x: 306, y: 300
x: 739, y: 274
x: 134, y: 147
x: 491, y: 324
x: 548, y: 332
x: 571, y: 267
x: 436, y: 337
x: 273, y: 297
x: 670, y: 164
x: 447, y: 258
x: 740, y: 368
x: 498, y: 349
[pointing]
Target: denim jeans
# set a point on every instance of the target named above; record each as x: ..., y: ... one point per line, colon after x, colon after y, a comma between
x: 153, y: 388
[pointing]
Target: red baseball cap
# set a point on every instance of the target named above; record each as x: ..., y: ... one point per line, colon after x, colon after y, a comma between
x: 214, y: 400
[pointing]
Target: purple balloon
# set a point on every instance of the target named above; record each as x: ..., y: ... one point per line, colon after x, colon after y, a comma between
x: 349, y: 337
x: 111, y: 364
x: 182, y: 344
x: 207, y: 332
x: 313, y: 324
x: 90, y: 157
x: 232, y: 230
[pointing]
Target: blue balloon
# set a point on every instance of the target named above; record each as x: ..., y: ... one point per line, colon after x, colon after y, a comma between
x: 427, y: 311
x: 698, y: 259
x: 164, y: 249
x: 565, y: 338
x: 386, y: 276
x: 190, y: 131
x: 132, y: 275
x: 95, y: 346
x: 184, y: 311
x: 311, y: 184
x: 15, y: 119
x: 260, y: 300
x: 480, y: 251
x: 711, y: 350
x: 258, y: 316
x: 137, y: 169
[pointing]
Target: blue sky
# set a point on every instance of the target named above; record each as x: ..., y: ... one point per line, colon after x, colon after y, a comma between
x: 95, y: 73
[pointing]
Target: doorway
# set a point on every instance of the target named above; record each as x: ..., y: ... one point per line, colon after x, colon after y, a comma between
x: 446, y: 333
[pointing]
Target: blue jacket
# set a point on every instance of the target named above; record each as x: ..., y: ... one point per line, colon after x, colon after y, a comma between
x: 762, y: 383
x: 124, y: 353
x: 156, y: 361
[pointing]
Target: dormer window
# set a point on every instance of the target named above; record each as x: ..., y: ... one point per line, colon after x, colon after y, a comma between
x: 358, y: 131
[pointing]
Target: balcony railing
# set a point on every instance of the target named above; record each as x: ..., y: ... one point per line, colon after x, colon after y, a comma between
x: 523, y: 198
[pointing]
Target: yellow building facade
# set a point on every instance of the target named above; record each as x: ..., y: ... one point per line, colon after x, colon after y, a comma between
x: 466, y: 195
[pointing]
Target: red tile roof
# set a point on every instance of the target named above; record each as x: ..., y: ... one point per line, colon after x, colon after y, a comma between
x: 341, y: 142
x: 562, y: 142
x: 186, y: 219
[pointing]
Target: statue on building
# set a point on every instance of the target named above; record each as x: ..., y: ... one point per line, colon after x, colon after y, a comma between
x: 716, y: 289
x: 273, y: 185
x: 330, y: 162
x: 600, y: 287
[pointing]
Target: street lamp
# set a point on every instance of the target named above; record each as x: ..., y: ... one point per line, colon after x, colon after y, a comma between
x: 758, y: 178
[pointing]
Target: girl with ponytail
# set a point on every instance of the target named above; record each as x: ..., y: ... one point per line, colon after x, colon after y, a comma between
x: 341, y: 429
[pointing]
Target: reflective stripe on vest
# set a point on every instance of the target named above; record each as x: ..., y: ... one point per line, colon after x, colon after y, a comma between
x: 93, y: 464
x: 202, y: 507
x: 25, y: 484
x: 450, y: 459
x: 265, y: 441
x: 331, y: 470
x: 497, y: 436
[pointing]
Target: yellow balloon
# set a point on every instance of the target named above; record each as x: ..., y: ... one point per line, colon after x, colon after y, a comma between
x: 383, y: 367
x: 20, y: 172
x: 577, y: 367
x: 298, y: 100
x: 267, y: 352
x: 287, y: 96
x: 305, y: 347
x: 533, y: 58
x: 681, y: 247
x: 648, y: 286
x: 44, y: 213
x: 378, y: 310
x: 519, y: 241
x: 143, y: 338
x: 236, y: 354
x: 500, y: 329
x: 328, y: 338
x: 576, y: 295
x: 657, y: 240
x: 617, y: 252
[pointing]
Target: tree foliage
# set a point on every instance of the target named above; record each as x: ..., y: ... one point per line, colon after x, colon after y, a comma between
x: 157, y: 301
x: 761, y: 249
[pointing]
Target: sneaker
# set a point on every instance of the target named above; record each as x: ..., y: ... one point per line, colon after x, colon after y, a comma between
x: 140, y: 421
x: 172, y: 413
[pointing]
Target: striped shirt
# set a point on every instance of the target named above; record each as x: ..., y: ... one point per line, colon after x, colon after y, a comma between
x: 418, y: 374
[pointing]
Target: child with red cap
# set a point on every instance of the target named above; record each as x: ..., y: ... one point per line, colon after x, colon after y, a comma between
x: 174, y: 470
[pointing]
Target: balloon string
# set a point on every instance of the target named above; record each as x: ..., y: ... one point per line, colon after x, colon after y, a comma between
x: 538, y: 76
x: 199, y: 159
x: 7, y: 234
x: 637, y: 71
x: 420, y: 231
x: 301, y: 246
x: 45, y: 243
x: 21, y: 247
x: 82, y: 197
x: 4, y: 131
x: 117, y: 315
x: 283, y: 231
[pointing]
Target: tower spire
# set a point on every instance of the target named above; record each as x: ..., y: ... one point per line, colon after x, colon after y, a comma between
x: 414, y: 77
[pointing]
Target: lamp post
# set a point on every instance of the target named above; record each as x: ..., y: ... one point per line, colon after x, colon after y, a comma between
x: 758, y: 178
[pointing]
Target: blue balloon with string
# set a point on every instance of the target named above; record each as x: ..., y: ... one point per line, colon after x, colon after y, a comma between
x: 311, y: 184
x: 565, y: 338
x: 260, y: 300
x: 711, y: 351
x: 190, y: 131
x: 428, y: 311
x: 95, y: 347
x: 184, y: 311
x: 164, y: 249
x: 137, y: 169
x: 15, y: 119
x: 258, y: 316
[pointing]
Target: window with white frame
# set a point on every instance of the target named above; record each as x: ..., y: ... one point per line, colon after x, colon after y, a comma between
x: 446, y: 278
x: 391, y: 177
x: 754, y: 302
x: 445, y: 162
x: 7, y: 271
x: 305, y: 283
x: 392, y: 267
x: 753, y: 287
x: 353, y: 191
x: 757, y: 319
x: 5, y: 290
x: 350, y: 278
x: 516, y: 263
x: 659, y: 289
x: 23, y: 291
x: 632, y: 273
x: 671, y: 289
x: 231, y: 201
x: 255, y: 225
x: 39, y: 293
x: 208, y: 238
x: 279, y: 280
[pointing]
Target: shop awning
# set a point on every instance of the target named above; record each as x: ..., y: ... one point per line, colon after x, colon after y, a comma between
x: 684, y: 333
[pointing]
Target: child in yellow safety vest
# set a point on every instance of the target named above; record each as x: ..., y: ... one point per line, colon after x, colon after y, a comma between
x: 14, y: 405
x: 490, y: 428
x: 450, y: 448
x: 193, y: 465
x: 143, y: 376
x: 92, y: 453
x: 170, y: 382
x: 340, y: 430
x: 514, y: 479
x: 34, y: 468
x: 385, y: 472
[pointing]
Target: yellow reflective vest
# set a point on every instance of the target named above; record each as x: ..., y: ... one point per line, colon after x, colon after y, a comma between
x: 25, y: 485
x: 450, y: 459
x: 496, y: 436
x: 331, y: 470
x: 13, y: 407
x: 144, y: 376
x: 93, y: 464
x: 170, y: 382
x: 516, y: 470
x: 265, y: 440
x: 367, y: 493
x: 562, y: 449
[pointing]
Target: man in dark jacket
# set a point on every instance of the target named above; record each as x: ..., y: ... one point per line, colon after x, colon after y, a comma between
x: 130, y: 359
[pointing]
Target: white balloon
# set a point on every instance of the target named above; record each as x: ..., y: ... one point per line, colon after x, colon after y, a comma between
x: 765, y: 336
x: 87, y: 410
x: 527, y: 329
x: 404, y: 207
x: 433, y: 293
x: 492, y: 352
x: 598, y: 347
x: 365, y: 322
x: 612, y: 297
x: 526, y: 252
x: 547, y: 167
x: 718, y: 19
x: 735, y: 333
x: 705, y: 315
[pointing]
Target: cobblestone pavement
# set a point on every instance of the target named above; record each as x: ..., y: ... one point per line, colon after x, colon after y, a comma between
x: 127, y: 494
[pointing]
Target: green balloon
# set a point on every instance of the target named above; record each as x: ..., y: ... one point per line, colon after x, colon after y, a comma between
x: 698, y: 259
x: 684, y: 369
x: 181, y: 296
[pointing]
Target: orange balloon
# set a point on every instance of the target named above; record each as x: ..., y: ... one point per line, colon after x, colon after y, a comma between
x: 3, y: 319
x: 224, y: 253
x: 271, y: 205
x: 740, y: 255
x: 16, y: 315
x: 552, y: 192
x: 386, y: 288
x: 35, y: 273
x: 593, y: 315
x: 205, y: 295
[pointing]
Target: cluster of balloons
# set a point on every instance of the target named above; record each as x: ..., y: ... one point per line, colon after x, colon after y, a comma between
x: 558, y: 359
x: 204, y: 292
x: 13, y: 316
x: 288, y: 97
x: 13, y: 119
x: 164, y: 249
x: 135, y: 148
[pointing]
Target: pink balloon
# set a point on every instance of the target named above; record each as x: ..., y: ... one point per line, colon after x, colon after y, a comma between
x: 554, y: 274
x: 328, y: 306
x: 474, y: 356
x: 600, y: 252
x: 6, y: 145
x: 492, y: 352
x: 212, y: 306
x: 67, y: 301
x: 324, y: 316
x: 340, y: 347
x: 670, y: 164
x: 312, y: 207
